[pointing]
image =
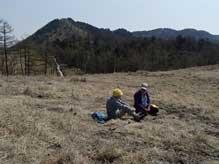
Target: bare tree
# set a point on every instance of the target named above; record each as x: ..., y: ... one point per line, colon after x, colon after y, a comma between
x: 6, y: 40
x: 20, y: 57
x: 1, y: 48
x: 46, y: 57
x: 28, y: 62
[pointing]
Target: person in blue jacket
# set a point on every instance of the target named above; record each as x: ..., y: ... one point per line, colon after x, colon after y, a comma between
x: 116, y: 108
x: 142, y: 102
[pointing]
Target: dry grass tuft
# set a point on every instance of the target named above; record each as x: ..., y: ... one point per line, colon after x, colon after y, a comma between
x: 109, y: 154
x: 78, y: 79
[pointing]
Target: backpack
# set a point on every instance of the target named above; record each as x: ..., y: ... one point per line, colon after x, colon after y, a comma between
x: 100, y: 117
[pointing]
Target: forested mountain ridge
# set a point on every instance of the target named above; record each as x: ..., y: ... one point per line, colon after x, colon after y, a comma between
x: 166, y: 33
x: 67, y: 27
x: 99, y: 50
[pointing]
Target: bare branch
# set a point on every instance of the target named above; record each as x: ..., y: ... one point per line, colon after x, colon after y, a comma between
x: 6, y: 28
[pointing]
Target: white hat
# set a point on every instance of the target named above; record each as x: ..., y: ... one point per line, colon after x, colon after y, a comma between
x: 144, y: 86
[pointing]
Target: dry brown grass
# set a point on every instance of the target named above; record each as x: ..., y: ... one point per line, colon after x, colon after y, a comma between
x: 46, y: 120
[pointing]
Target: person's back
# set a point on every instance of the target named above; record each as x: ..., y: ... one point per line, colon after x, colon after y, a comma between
x: 137, y: 99
x: 111, y: 108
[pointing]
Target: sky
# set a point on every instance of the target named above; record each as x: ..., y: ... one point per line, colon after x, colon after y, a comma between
x: 27, y: 16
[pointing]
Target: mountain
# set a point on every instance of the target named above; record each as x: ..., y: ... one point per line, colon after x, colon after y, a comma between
x: 166, y: 33
x: 58, y: 29
x: 67, y: 28
x: 99, y: 50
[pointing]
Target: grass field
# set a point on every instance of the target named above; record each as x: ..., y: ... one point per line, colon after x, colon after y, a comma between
x: 46, y: 120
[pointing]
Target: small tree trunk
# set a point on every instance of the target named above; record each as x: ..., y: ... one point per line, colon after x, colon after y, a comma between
x: 25, y: 61
x: 2, y: 65
x: 114, y: 64
x: 46, y: 58
x: 20, y: 55
x: 5, y: 52
x: 28, y: 62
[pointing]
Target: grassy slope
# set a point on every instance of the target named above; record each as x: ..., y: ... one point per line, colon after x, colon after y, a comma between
x: 47, y: 120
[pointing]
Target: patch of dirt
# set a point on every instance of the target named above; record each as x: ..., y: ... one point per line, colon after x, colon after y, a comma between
x: 56, y: 109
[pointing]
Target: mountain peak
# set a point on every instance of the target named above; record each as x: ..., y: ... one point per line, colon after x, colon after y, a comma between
x: 123, y: 32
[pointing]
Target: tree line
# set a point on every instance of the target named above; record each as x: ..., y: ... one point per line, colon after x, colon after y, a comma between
x: 96, y: 55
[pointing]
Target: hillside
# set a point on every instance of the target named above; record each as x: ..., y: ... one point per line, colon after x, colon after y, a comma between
x: 166, y: 33
x: 97, y: 50
x: 67, y: 28
x: 46, y: 120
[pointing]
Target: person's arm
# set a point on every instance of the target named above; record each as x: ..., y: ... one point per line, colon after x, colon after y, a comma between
x: 123, y: 102
x: 148, y: 108
x: 123, y: 106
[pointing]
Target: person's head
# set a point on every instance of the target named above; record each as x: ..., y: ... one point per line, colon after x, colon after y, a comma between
x: 117, y: 93
x: 144, y: 88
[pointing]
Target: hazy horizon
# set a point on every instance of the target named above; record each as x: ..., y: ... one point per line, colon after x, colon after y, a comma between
x: 27, y: 16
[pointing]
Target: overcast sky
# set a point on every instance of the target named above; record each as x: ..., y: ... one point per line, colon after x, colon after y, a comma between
x: 27, y: 16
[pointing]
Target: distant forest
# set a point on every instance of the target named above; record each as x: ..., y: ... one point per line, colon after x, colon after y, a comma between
x: 106, y: 56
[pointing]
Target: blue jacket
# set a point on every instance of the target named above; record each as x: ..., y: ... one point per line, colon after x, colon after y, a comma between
x: 138, y: 101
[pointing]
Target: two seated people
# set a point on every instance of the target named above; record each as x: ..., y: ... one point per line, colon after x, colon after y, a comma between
x: 116, y: 108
